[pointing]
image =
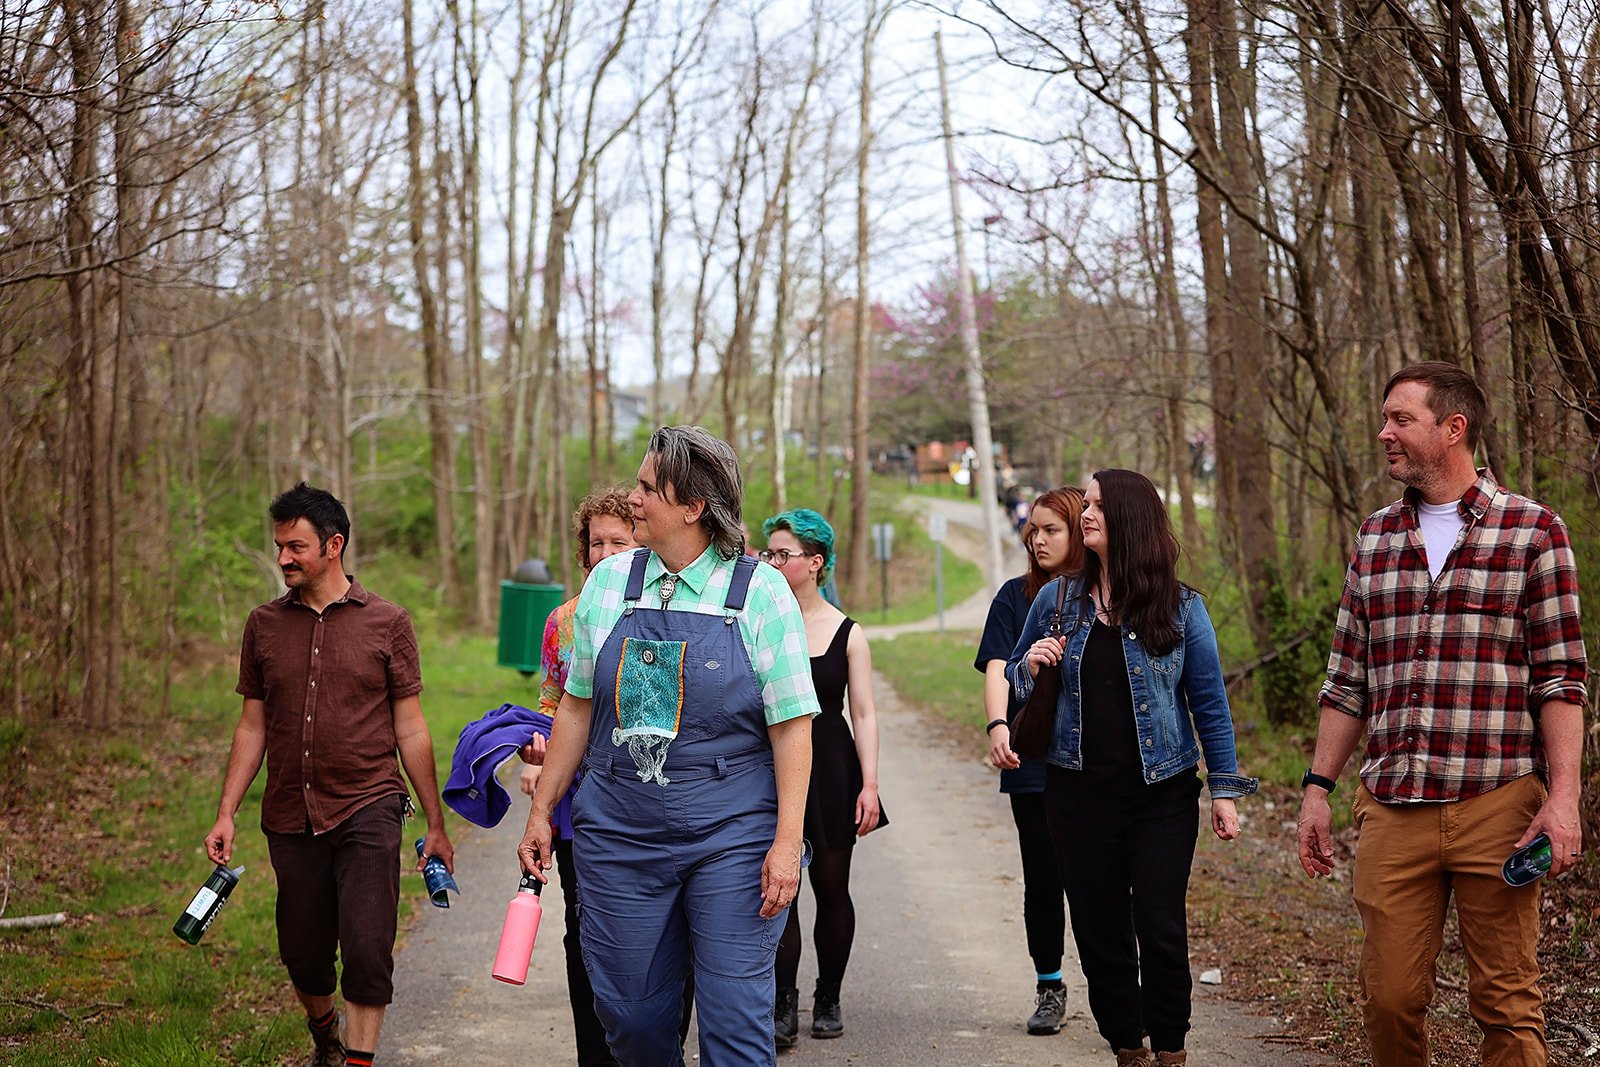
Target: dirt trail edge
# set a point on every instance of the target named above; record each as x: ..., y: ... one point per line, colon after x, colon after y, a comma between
x: 939, y: 973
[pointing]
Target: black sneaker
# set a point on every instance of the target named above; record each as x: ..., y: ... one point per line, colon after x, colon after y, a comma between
x: 1049, y: 1006
x: 825, y: 1018
x: 786, y: 1018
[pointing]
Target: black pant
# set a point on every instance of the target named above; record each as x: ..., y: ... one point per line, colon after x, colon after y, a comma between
x: 1044, y: 911
x: 591, y: 1036
x: 1125, y: 850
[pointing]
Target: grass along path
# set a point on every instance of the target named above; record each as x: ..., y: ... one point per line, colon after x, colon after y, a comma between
x: 109, y: 830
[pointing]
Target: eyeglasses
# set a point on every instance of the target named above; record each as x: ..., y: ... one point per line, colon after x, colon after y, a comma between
x: 780, y: 557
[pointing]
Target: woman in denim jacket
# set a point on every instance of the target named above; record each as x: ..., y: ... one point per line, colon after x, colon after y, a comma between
x: 1141, y: 697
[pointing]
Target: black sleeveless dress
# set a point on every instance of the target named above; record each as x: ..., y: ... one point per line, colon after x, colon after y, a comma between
x: 835, y: 767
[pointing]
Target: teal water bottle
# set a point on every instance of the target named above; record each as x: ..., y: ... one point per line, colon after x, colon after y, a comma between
x: 196, y: 918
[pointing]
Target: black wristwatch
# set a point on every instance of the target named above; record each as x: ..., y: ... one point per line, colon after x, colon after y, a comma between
x: 1316, y: 779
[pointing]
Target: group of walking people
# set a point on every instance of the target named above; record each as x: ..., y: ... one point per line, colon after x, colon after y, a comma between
x: 699, y: 694
x: 1458, y: 654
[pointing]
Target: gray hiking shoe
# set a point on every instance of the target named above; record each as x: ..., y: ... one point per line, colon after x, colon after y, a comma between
x: 1049, y: 1006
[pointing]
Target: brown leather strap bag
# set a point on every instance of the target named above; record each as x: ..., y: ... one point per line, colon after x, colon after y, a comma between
x: 1033, y: 727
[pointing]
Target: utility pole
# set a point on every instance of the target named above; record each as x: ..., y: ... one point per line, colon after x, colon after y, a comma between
x: 977, y: 392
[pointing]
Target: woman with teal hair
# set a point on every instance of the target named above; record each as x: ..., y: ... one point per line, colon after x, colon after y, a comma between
x: 842, y: 804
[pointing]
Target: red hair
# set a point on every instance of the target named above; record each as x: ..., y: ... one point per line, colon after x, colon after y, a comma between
x: 1067, y: 502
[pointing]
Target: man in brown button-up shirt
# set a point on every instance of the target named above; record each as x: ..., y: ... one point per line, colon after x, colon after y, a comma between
x: 330, y: 679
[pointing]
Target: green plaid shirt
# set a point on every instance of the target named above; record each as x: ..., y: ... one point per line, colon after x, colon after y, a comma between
x: 774, y: 632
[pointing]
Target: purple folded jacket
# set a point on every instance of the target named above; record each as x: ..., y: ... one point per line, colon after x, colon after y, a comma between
x: 473, y: 792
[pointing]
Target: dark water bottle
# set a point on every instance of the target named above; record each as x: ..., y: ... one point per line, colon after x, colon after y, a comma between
x: 1527, y: 863
x: 436, y: 876
x: 196, y: 918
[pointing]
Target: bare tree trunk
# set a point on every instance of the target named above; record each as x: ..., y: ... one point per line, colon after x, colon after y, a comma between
x: 595, y: 392
x: 1172, y: 330
x: 658, y: 263
x: 1249, y: 435
x: 1202, y: 17
x: 513, y: 353
x: 860, y: 467
x: 469, y: 110
x: 531, y: 403
x: 435, y: 362
x: 91, y: 408
x: 777, y: 420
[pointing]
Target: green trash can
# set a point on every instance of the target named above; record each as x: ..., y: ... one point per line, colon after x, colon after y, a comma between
x: 524, y: 608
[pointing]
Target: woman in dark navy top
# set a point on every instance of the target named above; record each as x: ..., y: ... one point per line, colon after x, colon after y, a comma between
x: 1054, y: 541
x: 842, y: 804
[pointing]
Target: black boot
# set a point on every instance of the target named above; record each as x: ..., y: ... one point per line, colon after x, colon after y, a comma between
x: 786, y: 1018
x: 825, y: 1018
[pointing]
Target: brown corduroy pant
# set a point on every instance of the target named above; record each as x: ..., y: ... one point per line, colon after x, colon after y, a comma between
x: 339, y: 894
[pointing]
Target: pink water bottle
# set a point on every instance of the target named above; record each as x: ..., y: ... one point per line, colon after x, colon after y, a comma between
x: 516, y: 937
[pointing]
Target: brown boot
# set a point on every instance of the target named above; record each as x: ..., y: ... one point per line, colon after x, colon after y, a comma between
x: 329, y: 1049
x: 1135, y: 1057
x: 1172, y: 1059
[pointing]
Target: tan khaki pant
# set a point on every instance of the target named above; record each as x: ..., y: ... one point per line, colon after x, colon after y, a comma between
x: 1409, y: 860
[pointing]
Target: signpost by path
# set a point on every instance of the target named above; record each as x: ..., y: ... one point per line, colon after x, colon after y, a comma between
x: 882, y: 549
x: 938, y: 529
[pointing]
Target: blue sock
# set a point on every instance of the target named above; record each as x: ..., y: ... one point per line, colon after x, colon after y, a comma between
x: 1053, y: 978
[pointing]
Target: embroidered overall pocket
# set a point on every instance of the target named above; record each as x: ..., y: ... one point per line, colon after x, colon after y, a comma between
x: 649, y: 700
x: 649, y: 695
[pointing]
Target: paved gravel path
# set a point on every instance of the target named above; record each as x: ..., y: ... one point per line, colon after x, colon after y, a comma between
x: 939, y: 974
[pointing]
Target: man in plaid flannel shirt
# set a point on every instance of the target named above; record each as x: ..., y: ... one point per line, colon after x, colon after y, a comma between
x: 1458, y: 653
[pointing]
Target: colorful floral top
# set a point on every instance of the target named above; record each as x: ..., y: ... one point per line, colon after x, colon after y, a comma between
x: 555, y: 658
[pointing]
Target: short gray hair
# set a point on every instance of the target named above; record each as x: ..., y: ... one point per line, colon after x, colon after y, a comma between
x: 702, y: 467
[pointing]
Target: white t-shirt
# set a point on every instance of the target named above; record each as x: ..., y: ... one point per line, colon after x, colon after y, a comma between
x: 1441, y: 527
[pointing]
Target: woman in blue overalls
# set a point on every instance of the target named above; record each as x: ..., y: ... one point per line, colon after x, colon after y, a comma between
x: 689, y: 704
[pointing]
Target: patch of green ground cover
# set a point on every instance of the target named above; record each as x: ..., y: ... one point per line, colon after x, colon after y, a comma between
x: 119, y: 850
x: 115, y: 844
x: 933, y: 673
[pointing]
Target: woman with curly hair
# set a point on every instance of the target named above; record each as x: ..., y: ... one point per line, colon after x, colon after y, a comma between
x: 842, y: 803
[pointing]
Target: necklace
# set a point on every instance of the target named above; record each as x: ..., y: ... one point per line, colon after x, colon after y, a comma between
x: 669, y: 586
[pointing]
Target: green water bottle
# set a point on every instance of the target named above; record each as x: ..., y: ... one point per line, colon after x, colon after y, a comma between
x: 196, y: 918
x: 1528, y: 863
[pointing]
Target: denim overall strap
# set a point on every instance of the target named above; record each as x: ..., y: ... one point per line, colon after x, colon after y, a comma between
x: 635, y: 590
x: 744, y: 568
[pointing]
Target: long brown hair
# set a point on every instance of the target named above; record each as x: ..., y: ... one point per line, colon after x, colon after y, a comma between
x: 1143, y: 561
x: 1067, y: 502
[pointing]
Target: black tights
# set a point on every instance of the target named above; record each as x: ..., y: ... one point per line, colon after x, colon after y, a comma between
x: 832, y: 933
